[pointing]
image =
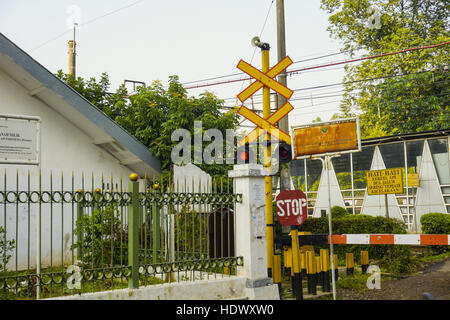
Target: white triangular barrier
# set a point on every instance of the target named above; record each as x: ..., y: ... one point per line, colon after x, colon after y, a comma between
x: 429, y: 195
x: 322, y: 193
x: 375, y: 205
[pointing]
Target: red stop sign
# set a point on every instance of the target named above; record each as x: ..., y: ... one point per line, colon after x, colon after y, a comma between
x: 291, y: 207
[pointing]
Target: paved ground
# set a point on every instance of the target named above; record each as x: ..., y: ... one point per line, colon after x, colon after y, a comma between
x: 434, y: 279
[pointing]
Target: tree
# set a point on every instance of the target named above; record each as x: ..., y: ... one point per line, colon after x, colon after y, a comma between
x: 398, y: 93
x: 153, y: 113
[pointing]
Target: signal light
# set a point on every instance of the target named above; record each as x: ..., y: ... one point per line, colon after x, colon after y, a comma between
x: 284, y: 152
x: 243, y: 154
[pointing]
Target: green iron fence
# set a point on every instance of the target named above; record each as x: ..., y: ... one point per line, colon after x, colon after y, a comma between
x: 73, y: 236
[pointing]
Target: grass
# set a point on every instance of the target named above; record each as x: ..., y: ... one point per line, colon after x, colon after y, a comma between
x: 355, y: 282
x: 435, y: 258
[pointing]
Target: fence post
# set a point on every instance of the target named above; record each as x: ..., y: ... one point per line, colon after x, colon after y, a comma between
x: 133, y: 231
x: 250, y: 231
x: 79, y: 224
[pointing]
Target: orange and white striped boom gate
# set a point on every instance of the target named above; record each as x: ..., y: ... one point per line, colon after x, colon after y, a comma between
x: 403, y: 239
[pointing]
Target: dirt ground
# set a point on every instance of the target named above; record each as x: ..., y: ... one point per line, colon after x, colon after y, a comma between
x: 433, y: 279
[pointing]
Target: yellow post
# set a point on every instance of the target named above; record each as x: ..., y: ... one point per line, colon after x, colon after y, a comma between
x: 349, y: 262
x: 364, y: 260
x: 295, y: 251
x: 336, y: 267
x: 310, y: 270
x: 267, y: 165
x: 318, y: 265
x: 287, y: 257
x: 303, y: 263
x: 296, y: 279
x: 326, y: 266
x: 277, y: 270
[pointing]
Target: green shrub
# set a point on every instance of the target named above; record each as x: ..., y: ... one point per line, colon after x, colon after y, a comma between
x: 5, y: 247
x: 103, y: 236
x: 435, y: 223
x: 339, y: 212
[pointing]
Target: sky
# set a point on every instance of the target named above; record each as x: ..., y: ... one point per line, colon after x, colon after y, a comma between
x: 148, y: 40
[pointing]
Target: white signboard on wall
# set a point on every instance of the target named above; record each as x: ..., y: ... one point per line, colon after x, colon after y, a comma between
x: 19, y: 139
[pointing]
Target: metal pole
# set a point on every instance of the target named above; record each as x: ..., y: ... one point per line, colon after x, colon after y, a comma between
x: 38, y: 241
x: 281, y: 46
x: 283, y: 124
x: 267, y: 164
x: 333, y: 279
x: 386, y: 205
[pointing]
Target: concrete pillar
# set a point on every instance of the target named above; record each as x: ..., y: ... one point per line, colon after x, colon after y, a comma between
x: 250, y: 231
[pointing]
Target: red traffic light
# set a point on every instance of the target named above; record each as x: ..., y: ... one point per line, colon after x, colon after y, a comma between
x: 284, y: 152
x: 243, y: 154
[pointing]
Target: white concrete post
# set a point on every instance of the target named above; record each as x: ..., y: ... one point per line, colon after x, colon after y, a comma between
x: 250, y: 230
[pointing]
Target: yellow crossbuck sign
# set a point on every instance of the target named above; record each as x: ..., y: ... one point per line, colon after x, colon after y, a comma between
x: 265, y: 79
x: 264, y: 125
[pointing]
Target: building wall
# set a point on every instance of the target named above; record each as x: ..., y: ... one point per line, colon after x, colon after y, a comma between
x: 65, y: 150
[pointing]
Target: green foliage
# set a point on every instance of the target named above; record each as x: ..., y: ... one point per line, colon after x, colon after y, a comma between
x: 435, y: 223
x: 405, y: 92
x: 354, y: 224
x: 5, y: 247
x: 103, y: 236
x: 190, y: 231
x: 338, y: 212
x: 153, y: 113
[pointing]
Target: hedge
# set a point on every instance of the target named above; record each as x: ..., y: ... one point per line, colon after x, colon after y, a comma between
x: 435, y: 223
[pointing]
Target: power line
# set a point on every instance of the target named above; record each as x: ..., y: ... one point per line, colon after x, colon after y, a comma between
x: 242, y: 73
x: 328, y: 64
x: 88, y: 22
x: 354, y: 81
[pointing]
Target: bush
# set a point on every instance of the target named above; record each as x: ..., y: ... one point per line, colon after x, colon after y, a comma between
x: 102, y: 237
x: 435, y: 223
x: 339, y: 212
x: 396, y: 259
x: 5, y: 247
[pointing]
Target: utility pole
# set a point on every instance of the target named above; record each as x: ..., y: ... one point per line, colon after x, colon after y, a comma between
x: 283, y: 124
x: 72, y: 54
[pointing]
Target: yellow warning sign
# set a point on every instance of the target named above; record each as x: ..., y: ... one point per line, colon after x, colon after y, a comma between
x: 413, y: 179
x: 384, y: 181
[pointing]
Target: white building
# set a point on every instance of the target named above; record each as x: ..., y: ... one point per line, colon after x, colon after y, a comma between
x: 66, y: 135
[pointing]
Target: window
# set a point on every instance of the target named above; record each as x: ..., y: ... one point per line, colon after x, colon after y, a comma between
x: 439, y: 151
x: 361, y: 163
x: 298, y: 174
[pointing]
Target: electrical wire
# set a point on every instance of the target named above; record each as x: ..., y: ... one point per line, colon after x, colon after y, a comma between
x: 319, y: 87
x: 294, y: 71
x: 88, y: 22
x: 242, y: 73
